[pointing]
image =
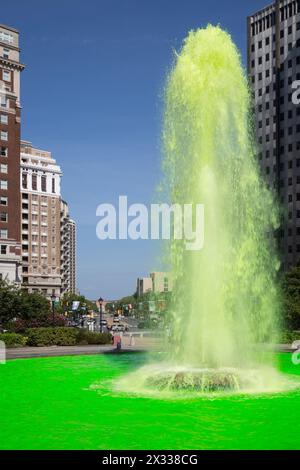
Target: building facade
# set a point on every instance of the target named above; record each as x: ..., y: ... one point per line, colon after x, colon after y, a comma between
x: 68, y: 251
x: 274, y: 66
x: 10, y: 122
x: 157, y: 282
x: 41, y: 221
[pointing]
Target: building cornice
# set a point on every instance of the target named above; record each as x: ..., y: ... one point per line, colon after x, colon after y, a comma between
x: 12, y: 63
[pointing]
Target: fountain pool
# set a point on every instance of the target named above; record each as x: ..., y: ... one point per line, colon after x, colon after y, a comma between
x: 71, y: 403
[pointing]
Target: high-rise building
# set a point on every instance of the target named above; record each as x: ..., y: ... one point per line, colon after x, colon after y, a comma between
x: 10, y: 121
x: 68, y: 251
x: 273, y: 66
x: 41, y: 224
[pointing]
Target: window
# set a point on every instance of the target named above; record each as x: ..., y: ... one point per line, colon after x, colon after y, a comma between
x: 3, y: 201
x: 3, y: 249
x: 44, y: 183
x: 3, y: 151
x: 3, y: 184
x: 34, y: 182
x: 4, y: 119
x: 3, y: 233
x: 6, y: 37
x: 24, y: 180
x: 3, y: 168
x: 53, y: 185
x: 5, y: 53
x: 3, y: 216
x: 3, y: 101
x: 6, y: 75
x: 3, y: 135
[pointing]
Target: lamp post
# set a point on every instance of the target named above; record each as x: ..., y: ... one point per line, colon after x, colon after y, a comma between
x: 100, y: 300
x: 53, y: 299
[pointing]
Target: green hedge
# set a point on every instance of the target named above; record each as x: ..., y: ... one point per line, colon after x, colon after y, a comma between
x: 90, y: 337
x: 63, y: 336
x: 60, y: 336
x: 13, y: 340
x: 288, y: 337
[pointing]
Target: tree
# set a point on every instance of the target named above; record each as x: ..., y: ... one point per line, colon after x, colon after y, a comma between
x: 291, y: 298
x: 19, y: 304
x: 66, y: 302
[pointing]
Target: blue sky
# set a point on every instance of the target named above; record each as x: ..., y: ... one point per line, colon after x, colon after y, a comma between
x: 91, y: 93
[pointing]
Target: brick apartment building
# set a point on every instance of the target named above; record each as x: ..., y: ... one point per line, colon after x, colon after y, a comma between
x: 10, y: 122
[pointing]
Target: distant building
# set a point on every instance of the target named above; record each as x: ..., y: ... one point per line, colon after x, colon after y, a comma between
x: 157, y: 282
x: 144, y: 285
x: 10, y: 122
x: 68, y: 251
x: 41, y: 229
x: 161, y: 282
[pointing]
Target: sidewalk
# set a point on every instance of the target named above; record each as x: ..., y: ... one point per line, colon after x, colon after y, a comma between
x: 145, y: 344
x: 140, y: 345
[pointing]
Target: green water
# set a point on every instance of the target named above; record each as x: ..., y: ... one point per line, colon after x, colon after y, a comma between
x: 224, y: 296
x: 69, y: 403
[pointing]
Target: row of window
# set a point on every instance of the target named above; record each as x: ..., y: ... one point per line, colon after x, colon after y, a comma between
x: 269, y: 20
x: 34, y: 182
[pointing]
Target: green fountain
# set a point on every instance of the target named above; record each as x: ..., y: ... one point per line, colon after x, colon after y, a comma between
x: 225, y: 301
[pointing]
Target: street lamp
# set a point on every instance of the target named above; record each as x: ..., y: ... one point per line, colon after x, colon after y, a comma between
x: 100, y: 311
x: 53, y: 299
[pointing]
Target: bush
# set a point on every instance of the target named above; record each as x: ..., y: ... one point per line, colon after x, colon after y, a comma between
x: 21, y: 325
x: 288, y: 337
x: 64, y: 336
x: 13, y: 340
x: 60, y: 336
x: 90, y: 337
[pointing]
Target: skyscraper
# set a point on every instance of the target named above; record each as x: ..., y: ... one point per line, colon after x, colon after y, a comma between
x: 10, y: 121
x: 273, y: 66
x: 68, y: 251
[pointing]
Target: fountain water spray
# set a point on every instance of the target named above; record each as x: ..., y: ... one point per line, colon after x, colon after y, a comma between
x: 225, y: 298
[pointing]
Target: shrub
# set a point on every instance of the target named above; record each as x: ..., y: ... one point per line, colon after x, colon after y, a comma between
x: 60, y: 336
x: 21, y: 325
x: 13, y: 340
x: 288, y: 337
x: 90, y: 337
